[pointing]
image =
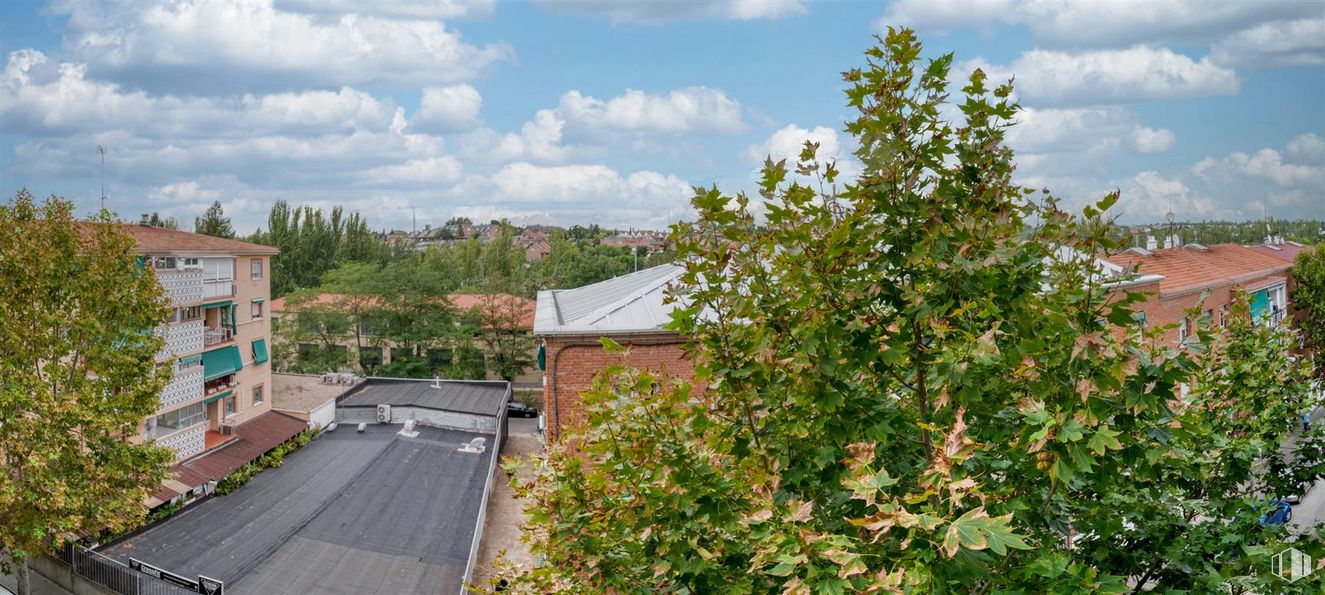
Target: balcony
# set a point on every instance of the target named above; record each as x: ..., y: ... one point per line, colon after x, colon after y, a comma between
x: 217, y: 336
x: 186, y: 442
x: 220, y: 385
x: 181, y: 339
x: 187, y: 386
x: 183, y: 287
x: 218, y: 288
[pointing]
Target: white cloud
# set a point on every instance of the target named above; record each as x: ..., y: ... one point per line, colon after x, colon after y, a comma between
x: 1109, y: 76
x: 1149, y: 140
x: 692, y: 109
x: 43, y: 99
x: 655, y: 12
x: 434, y: 169
x: 448, y: 109
x: 415, y: 9
x: 1099, y: 23
x: 596, y: 193
x: 1307, y: 147
x: 788, y: 142
x: 1298, y: 42
x: 197, y: 44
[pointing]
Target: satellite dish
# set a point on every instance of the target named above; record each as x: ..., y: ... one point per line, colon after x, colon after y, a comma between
x: 1169, y: 216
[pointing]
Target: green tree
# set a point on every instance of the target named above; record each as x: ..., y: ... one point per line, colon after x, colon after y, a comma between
x: 902, y: 386
x: 78, y: 373
x: 158, y: 221
x: 1309, y: 295
x: 214, y: 222
x: 504, y: 333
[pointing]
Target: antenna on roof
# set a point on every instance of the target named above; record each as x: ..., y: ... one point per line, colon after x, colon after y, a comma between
x: 101, y: 149
x: 436, y: 382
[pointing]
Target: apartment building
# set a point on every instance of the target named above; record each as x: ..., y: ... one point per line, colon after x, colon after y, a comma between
x: 1179, y: 278
x: 216, y: 340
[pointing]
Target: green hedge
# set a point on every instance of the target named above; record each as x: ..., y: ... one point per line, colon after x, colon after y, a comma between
x: 273, y: 458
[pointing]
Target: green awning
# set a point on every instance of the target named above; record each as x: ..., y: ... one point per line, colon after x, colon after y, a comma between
x: 259, y: 300
x: 218, y: 396
x: 260, y: 350
x: 190, y: 359
x: 221, y: 362
x: 218, y: 304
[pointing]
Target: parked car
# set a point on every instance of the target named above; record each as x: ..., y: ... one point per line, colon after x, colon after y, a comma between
x: 514, y: 409
x: 1282, y: 513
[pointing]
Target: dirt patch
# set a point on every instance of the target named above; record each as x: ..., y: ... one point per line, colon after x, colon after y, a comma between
x: 505, y: 514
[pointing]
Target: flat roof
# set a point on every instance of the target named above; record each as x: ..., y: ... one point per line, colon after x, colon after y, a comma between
x: 302, y: 392
x: 462, y: 396
x: 349, y: 513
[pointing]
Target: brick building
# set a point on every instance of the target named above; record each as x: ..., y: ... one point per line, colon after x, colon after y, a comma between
x: 570, y: 323
x: 1178, y: 277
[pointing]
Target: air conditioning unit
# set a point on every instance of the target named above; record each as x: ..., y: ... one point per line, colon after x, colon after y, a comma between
x: 383, y: 414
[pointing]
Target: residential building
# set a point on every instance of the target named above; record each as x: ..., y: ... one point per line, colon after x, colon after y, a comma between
x: 217, y: 337
x: 630, y: 310
x: 651, y: 241
x: 1210, y: 276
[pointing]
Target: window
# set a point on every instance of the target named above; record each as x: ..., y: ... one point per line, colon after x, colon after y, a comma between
x: 255, y: 266
x: 257, y: 395
x: 178, y: 419
x: 229, y: 405
x: 1182, y: 330
x: 163, y: 262
x: 255, y: 310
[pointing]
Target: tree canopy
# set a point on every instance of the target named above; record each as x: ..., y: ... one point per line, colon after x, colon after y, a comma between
x: 919, y: 381
x: 214, y: 222
x: 78, y: 374
x: 1309, y: 296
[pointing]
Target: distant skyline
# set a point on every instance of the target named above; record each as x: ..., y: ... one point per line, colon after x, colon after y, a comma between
x: 582, y: 112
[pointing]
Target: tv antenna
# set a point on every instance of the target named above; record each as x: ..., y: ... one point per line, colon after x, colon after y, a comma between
x: 101, y: 149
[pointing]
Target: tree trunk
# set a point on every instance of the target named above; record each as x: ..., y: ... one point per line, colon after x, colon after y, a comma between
x: 21, y: 573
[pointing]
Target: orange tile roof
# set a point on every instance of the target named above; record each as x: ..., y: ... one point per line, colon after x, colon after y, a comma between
x: 1189, y: 269
x: 1286, y: 251
x: 159, y: 239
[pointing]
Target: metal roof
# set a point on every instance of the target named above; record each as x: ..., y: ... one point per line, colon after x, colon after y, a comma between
x: 480, y: 397
x: 630, y: 303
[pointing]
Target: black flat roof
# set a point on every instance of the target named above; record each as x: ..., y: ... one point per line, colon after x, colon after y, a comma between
x: 482, y: 397
x: 349, y: 513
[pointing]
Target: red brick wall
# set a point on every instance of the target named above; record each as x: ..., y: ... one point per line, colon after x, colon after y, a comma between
x: 1164, y: 311
x: 572, y: 363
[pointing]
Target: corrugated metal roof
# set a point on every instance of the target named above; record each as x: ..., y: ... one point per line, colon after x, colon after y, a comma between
x: 629, y: 303
x: 462, y: 396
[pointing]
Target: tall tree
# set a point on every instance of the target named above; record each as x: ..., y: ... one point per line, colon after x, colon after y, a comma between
x: 1309, y: 296
x: 904, y: 387
x: 158, y: 221
x: 505, y: 327
x: 214, y: 222
x: 78, y: 373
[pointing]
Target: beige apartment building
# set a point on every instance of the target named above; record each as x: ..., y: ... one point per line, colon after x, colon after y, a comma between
x: 217, y: 339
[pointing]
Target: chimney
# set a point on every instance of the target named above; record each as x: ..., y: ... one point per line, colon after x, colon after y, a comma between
x: 145, y: 219
x: 1151, y: 243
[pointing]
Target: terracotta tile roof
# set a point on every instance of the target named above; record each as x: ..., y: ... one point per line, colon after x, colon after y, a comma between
x: 466, y: 301
x: 1286, y: 251
x: 1190, y: 269
x: 253, y: 438
x: 159, y: 239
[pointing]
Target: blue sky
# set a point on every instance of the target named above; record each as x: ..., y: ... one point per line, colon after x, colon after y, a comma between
x: 607, y: 112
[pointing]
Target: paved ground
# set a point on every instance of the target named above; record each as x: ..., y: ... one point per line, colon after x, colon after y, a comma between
x: 40, y: 586
x: 505, y: 511
x: 349, y: 513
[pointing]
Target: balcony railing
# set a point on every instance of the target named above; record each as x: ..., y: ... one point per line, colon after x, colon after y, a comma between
x: 182, y: 338
x: 216, y: 336
x: 187, y: 386
x: 186, y: 442
x: 184, y: 287
x: 218, y: 289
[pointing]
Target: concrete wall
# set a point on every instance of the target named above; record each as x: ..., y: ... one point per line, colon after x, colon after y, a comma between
x: 450, y: 420
x: 247, y: 329
x: 62, y: 575
x: 572, y: 363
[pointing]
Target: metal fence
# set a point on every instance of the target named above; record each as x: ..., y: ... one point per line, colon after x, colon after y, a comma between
x: 115, y: 575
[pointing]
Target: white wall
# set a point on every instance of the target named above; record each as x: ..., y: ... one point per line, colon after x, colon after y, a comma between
x: 449, y: 420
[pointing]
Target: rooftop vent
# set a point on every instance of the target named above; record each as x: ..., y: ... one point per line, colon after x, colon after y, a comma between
x: 476, y: 446
x: 363, y: 426
x: 1139, y: 251
x: 408, y: 430
x: 1196, y: 246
